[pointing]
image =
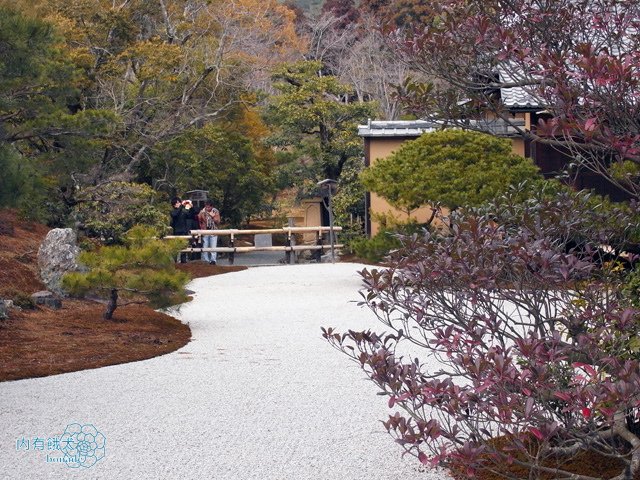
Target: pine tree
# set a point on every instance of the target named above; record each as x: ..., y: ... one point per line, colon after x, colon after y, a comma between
x: 454, y: 168
x: 140, y: 271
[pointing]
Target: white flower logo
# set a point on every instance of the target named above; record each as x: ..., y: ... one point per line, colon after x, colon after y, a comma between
x: 83, y: 445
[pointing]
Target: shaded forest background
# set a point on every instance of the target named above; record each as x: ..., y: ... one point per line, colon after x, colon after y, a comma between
x: 108, y: 109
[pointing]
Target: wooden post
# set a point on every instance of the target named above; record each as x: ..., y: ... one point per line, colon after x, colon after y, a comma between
x: 232, y: 245
x: 318, y: 253
x: 290, y: 257
x: 287, y: 253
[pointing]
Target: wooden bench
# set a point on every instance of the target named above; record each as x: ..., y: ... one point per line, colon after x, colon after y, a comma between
x: 318, y: 247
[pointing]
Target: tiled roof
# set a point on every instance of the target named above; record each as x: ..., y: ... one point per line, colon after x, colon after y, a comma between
x: 415, y: 128
x: 396, y: 128
x: 516, y: 97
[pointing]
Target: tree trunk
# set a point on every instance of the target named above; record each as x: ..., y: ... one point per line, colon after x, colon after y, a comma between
x: 112, y: 305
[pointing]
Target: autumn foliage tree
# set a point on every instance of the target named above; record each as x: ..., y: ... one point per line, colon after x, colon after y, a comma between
x: 508, y: 344
x: 143, y: 270
x: 93, y: 92
x: 165, y: 67
x: 397, y: 13
x: 512, y: 343
x: 344, y: 10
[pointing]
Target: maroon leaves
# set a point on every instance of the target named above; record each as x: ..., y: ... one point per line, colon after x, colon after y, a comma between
x: 519, y: 334
x: 536, y: 433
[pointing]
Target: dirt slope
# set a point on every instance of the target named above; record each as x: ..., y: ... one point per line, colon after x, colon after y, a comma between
x: 19, y: 242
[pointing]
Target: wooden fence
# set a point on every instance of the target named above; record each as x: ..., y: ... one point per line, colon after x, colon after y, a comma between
x: 318, y: 247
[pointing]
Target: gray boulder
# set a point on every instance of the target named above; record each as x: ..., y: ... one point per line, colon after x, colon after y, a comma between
x: 58, y: 254
x: 46, y: 298
x: 3, y: 310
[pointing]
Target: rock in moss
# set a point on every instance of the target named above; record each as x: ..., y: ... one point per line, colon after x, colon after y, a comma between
x: 58, y: 255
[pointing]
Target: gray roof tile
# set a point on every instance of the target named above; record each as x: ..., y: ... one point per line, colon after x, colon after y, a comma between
x: 396, y: 128
x: 516, y: 97
x: 415, y: 128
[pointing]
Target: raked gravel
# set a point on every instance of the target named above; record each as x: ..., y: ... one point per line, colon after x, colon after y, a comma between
x: 256, y: 394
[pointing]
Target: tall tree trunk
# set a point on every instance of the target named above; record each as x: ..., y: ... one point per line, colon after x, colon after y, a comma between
x: 112, y: 305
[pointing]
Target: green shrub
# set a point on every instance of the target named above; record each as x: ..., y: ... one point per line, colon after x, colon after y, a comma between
x: 374, y: 249
x: 455, y: 168
x: 109, y: 210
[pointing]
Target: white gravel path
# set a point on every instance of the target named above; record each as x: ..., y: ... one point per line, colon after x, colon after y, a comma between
x: 257, y: 394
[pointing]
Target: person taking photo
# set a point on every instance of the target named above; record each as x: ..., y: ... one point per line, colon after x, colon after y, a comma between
x: 209, y: 218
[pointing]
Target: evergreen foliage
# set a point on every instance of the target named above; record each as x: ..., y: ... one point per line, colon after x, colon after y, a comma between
x: 223, y: 160
x: 315, y: 118
x: 38, y: 91
x: 376, y: 248
x: 632, y: 287
x: 19, y: 181
x: 141, y: 269
x: 451, y: 167
x: 348, y: 202
x: 313, y: 105
x: 109, y: 210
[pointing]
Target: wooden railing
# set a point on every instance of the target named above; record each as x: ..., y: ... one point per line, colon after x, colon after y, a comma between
x: 318, y: 246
